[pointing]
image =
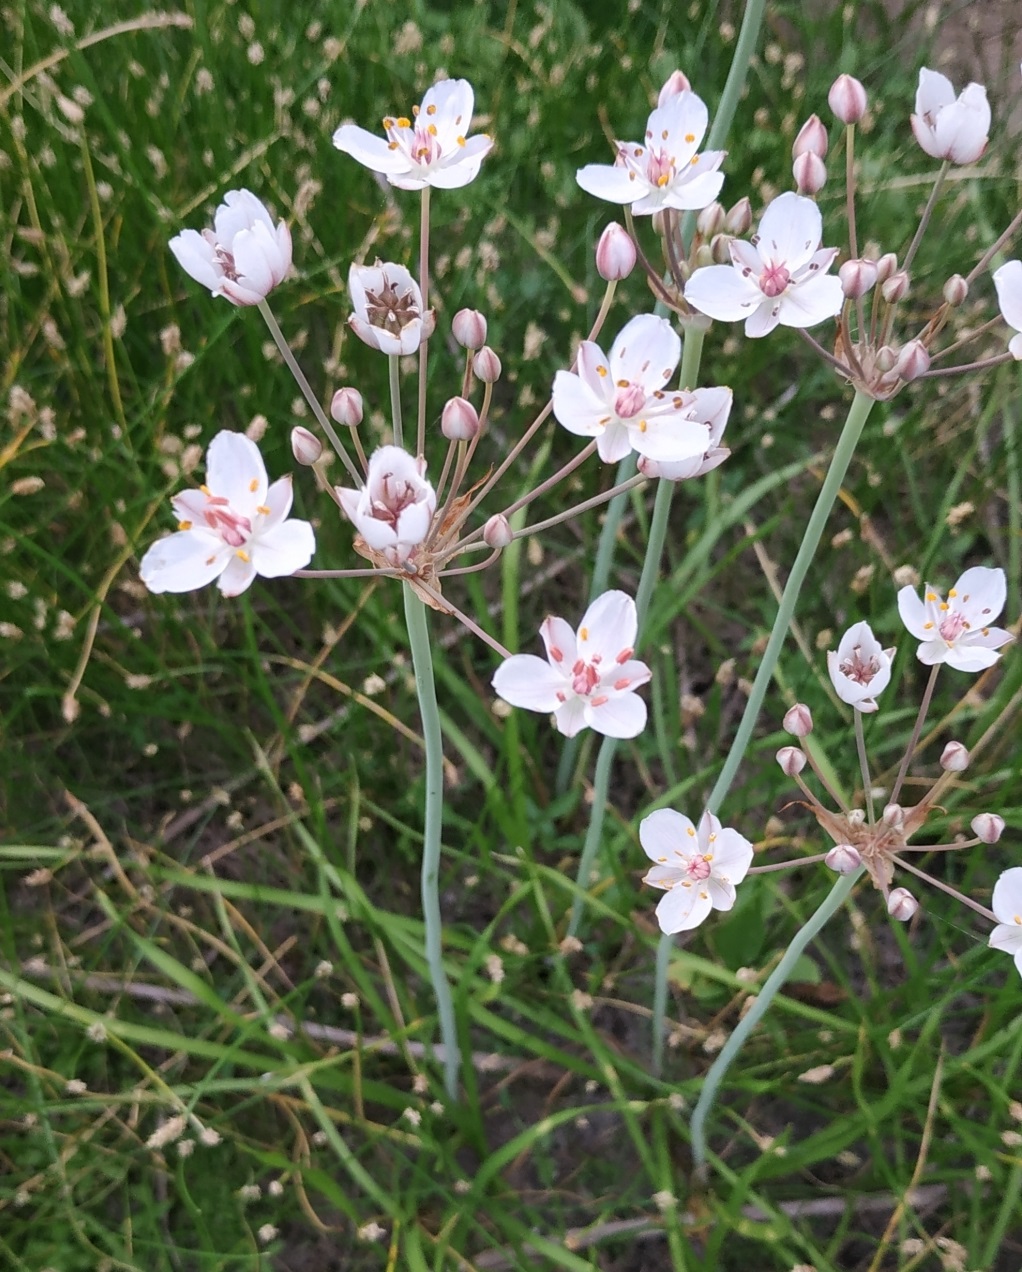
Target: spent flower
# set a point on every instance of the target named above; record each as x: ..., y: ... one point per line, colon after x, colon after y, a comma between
x: 394, y: 509
x: 387, y: 306
x: 698, y: 867
x: 949, y: 127
x: 243, y: 257
x: 860, y: 669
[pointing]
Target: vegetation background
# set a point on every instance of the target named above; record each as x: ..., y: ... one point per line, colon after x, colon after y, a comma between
x: 215, y: 1023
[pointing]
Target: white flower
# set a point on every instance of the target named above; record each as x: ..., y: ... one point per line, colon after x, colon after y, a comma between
x: 860, y: 669
x: 664, y: 171
x: 948, y: 127
x: 388, y: 308
x: 780, y: 277
x: 957, y: 631
x: 697, y: 868
x: 232, y: 528
x: 1008, y: 281
x: 1007, y: 908
x: 622, y: 401
x: 712, y: 406
x: 393, y: 510
x: 242, y: 257
x: 431, y: 151
x: 589, y: 678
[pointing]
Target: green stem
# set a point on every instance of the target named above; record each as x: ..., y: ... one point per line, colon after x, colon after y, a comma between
x: 422, y: 662
x: 394, y: 375
x: 858, y: 413
x: 717, y: 1071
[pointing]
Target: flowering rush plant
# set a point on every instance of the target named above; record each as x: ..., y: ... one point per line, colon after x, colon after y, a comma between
x: 423, y: 505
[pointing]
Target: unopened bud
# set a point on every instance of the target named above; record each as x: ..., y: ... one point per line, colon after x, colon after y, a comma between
x: 702, y: 256
x: 913, y: 361
x: 812, y: 139
x: 711, y: 220
x: 497, y: 531
x: 305, y: 446
x: 677, y: 82
x: 954, y: 758
x: 856, y: 817
x: 469, y: 328
x: 886, y: 266
x: 739, y: 218
x: 791, y: 760
x: 885, y: 359
x: 843, y: 859
x: 893, y: 816
x: 615, y: 253
x: 857, y: 277
x: 955, y: 290
x: 459, y: 420
x: 987, y: 827
x: 895, y: 288
x: 658, y: 223
x: 720, y: 249
x: 798, y: 721
x: 346, y: 407
x: 847, y: 99
x: 901, y: 904
x: 486, y: 365
x: 810, y: 173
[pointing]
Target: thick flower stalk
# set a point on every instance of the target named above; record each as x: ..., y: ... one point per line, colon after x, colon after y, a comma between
x: 243, y: 257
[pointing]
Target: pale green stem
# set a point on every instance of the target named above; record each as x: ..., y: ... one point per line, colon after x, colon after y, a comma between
x: 425, y: 687
x: 718, y: 1070
x: 924, y: 220
x: 867, y: 782
x: 924, y: 707
x: 393, y: 361
x: 858, y: 413
x: 420, y: 432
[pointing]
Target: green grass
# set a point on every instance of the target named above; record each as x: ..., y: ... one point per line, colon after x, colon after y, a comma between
x: 212, y: 823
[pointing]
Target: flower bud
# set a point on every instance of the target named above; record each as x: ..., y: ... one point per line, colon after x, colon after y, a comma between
x: 615, y: 253
x: 954, y: 758
x: 955, y: 290
x: 895, y: 288
x: 810, y: 173
x: 901, y: 904
x: 739, y: 218
x: 346, y: 407
x: 987, y: 827
x: 459, y: 420
x: 857, y: 277
x: 798, y: 721
x: 469, y: 328
x: 710, y: 221
x: 305, y: 446
x: 677, y: 82
x: 791, y: 760
x: 856, y: 817
x: 885, y: 359
x: 703, y: 255
x: 497, y: 531
x: 843, y: 859
x: 812, y: 139
x: 886, y: 266
x: 720, y: 249
x: 913, y: 361
x: 893, y: 816
x: 847, y: 99
x: 486, y: 365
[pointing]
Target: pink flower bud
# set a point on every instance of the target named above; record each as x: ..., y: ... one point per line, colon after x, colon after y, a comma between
x: 913, y: 361
x: 955, y: 290
x: 305, y: 446
x: 886, y: 266
x: 346, y: 407
x: 812, y: 139
x: 739, y: 218
x: 885, y: 359
x: 497, y: 531
x: 987, y: 827
x: 857, y: 277
x: 710, y: 221
x: 847, y: 99
x: 677, y: 82
x: 895, y: 288
x: 843, y: 859
x: 791, y: 760
x: 901, y: 904
x: 893, y: 816
x: 486, y: 365
x: 469, y: 328
x: 615, y: 253
x: 459, y: 420
x: 810, y: 173
x: 798, y: 720
x: 954, y: 758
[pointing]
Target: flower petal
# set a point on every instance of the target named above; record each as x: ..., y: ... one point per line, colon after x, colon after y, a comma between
x: 197, y: 258
x: 790, y: 231
x: 235, y: 471
x: 811, y: 302
x: 620, y: 716
x: 667, y: 837
x: 184, y: 561
x: 371, y: 151
x: 608, y: 628
x: 523, y: 680
x: 283, y: 549
x: 683, y: 908
x: 612, y: 182
x: 721, y: 292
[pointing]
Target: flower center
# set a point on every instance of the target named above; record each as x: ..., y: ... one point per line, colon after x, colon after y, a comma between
x: 860, y: 669
x: 224, y: 257
x: 659, y: 168
x: 229, y: 525
x: 629, y: 399
x: 390, y: 310
x: 585, y: 677
x: 952, y: 626
x: 699, y: 868
x: 774, y: 280
x: 394, y: 495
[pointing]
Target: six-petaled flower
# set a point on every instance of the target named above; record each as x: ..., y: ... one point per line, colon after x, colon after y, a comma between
x: 958, y: 630
x: 387, y: 308
x: 860, y: 669
x: 698, y: 867
x: 243, y: 257
x: 949, y: 127
x: 393, y: 510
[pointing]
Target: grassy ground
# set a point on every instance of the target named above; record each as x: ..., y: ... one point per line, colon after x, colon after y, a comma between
x: 216, y: 1024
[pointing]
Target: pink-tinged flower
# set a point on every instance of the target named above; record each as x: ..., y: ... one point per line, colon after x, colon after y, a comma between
x: 1007, y: 908
x: 242, y: 257
x: 388, y: 308
x: 957, y: 631
x: 677, y: 82
x: 232, y: 528
x: 948, y: 127
x: 394, y: 509
x: 431, y: 149
x: 860, y: 669
x: 664, y: 170
x: 710, y: 406
x: 1008, y: 281
x: 589, y: 677
x: 697, y: 868
x: 622, y: 400
x: 780, y: 277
